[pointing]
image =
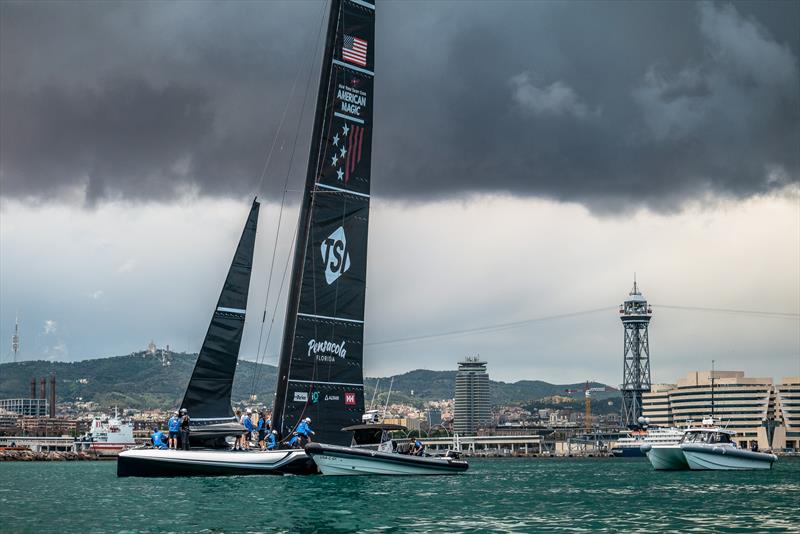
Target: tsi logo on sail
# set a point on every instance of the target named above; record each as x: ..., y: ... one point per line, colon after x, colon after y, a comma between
x: 335, y: 256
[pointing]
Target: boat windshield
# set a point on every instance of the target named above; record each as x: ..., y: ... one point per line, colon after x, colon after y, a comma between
x: 707, y: 437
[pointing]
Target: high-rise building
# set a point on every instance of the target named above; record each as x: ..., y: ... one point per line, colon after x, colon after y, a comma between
x: 472, y: 406
x: 635, y: 315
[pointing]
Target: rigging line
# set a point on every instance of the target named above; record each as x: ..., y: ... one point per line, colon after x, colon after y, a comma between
x: 490, y: 328
x: 734, y: 311
x: 256, y: 375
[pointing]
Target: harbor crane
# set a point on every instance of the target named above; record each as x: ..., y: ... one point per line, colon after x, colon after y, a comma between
x: 587, y: 393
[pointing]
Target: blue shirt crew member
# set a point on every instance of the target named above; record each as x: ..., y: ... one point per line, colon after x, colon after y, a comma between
x: 302, y: 431
x: 158, y: 439
x: 174, y: 425
x: 272, y: 440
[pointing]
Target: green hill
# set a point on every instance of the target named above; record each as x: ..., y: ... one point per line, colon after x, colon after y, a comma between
x: 141, y: 381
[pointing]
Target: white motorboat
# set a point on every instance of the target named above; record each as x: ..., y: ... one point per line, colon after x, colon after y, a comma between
x: 211, y: 462
x: 382, y: 456
x: 713, y: 449
x: 663, y: 450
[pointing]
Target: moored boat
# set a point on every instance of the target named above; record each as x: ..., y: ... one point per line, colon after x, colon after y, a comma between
x: 714, y: 450
x: 374, y: 452
x: 338, y: 460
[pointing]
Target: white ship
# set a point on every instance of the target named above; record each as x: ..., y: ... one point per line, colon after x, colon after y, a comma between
x: 107, y: 435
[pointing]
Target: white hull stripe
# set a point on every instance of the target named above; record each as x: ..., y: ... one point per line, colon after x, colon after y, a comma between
x: 230, y: 310
x: 348, y: 117
x: 328, y: 383
x: 349, y: 66
x: 363, y: 4
x: 330, y: 318
x: 339, y: 189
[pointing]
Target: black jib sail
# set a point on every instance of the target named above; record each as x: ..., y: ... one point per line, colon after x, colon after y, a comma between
x: 208, y: 395
x: 320, y: 367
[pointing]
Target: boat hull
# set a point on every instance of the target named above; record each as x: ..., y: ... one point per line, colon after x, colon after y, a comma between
x: 627, y: 452
x: 709, y: 457
x: 209, y: 462
x: 336, y: 460
x: 666, y: 458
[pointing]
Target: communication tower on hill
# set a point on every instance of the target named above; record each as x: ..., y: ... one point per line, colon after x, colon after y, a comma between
x: 635, y: 314
x: 15, y: 339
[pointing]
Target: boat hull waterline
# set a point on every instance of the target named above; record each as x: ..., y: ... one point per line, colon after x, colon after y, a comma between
x: 666, y: 457
x: 336, y: 460
x: 700, y: 457
x: 208, y: 462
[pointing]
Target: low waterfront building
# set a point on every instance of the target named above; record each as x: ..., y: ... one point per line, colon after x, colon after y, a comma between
x: 472, y: 402
x: 789, y: 401
x: 749, y: 406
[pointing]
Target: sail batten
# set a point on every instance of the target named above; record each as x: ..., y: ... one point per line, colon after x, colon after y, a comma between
x: 208, y: 395
x: 320, y: 371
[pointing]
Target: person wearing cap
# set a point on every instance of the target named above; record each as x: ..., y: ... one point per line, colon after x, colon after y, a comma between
x: 302, y: 433
x: 157, y: 439
x: 174, y: 426
x: 247, y: 423
x: 184, y: 428
x: 418, y: 449
x: 272, y: 440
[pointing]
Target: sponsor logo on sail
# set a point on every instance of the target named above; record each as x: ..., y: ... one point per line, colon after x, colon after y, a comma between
x: 331, y: 397
x: 327, y: 351
x: 301, y: 396
x: 350, y: 398
x: 314, y: 397
x: 335, y: 255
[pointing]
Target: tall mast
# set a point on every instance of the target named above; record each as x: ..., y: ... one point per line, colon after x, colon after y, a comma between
x: 320, y: 369
x: 304, y: 225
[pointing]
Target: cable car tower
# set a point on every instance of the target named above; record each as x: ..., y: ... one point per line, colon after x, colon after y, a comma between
x: 635, y: 315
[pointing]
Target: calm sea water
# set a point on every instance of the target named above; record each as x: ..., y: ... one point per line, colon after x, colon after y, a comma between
x: 502, y: 495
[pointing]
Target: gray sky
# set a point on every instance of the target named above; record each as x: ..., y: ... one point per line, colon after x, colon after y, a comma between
x: 528, y: 158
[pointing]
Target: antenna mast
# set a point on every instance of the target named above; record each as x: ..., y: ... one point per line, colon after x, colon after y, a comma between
x: 15, y: 339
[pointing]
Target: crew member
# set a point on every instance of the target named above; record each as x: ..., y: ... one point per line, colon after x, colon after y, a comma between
x: 157, y: 439
x: 247, y: 423
x: 263, y: 429
x: 418, y: 449
x: 302, y: 434
x: 174, y: 425
x: 184, y: 429
x: 272, y: 440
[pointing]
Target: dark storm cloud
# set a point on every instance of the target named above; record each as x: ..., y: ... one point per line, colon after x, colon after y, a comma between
x: 636, y: 103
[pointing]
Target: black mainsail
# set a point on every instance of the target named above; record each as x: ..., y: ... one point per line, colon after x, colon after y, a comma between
x: 208, y: 395
x: 320, y: 366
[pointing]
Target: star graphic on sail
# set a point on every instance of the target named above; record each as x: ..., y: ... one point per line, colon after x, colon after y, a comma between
x: 336, y: 141
x: 334, y: 159
x: 345, y: 129
x: 342, y: 152
x: 339, y: 174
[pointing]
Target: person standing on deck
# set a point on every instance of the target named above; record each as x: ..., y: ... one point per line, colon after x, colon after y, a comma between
x: 263, y: 429
x: 174, y: 426
x: 237, y: 444
x: 184, y: 429
x: 247, y: 422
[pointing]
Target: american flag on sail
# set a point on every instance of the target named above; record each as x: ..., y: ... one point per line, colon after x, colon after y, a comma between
x: 355, y: 140
x: 354, y: 50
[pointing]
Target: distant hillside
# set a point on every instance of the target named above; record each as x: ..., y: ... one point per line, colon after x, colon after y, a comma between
x: 133, y: 381
x: 138, y: 381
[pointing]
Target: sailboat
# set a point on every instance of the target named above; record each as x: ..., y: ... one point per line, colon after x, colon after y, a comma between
x: 320, y: 364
